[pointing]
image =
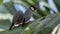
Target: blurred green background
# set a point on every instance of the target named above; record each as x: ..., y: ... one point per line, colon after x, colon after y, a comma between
x: 46, y: 20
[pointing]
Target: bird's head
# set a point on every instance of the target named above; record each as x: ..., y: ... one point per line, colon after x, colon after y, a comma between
x: 33, y: 8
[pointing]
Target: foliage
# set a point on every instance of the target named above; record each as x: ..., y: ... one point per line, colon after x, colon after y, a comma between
x: 44, y: 22
x: 1, y: 1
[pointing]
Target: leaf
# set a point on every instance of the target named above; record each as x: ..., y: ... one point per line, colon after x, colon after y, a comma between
x: 21, y: 30
x: 56, y: 29
x: 10, y: 7
x: 1, y: 1
x: 32, y: 27
x: 39, y: 25
x: 36, y: 15
x: 4, y: 25
x: 51, y: 22
x: 57, y: 3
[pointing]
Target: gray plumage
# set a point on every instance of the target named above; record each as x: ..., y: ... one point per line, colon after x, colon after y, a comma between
x: 27, y: 15
x: 17, y: 19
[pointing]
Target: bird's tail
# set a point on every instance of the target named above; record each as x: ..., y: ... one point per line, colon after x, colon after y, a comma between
x: 11, y: 26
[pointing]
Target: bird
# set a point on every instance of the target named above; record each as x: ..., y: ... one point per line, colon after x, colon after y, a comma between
x: 17, y: 19
x: 28, y: 14
x: 20, y: 17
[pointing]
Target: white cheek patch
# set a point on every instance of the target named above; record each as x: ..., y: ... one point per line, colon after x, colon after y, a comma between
x: 32, y: 8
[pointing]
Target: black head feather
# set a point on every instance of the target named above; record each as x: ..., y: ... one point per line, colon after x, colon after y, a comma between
x: 33, y: 7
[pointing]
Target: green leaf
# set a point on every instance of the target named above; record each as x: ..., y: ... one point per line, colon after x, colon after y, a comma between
x: 10, y: 7
x: 36, y: 15
x: 1, y: 1
x: 32, y: 27
x: 51, y: 22
x: 57, y: 3
x: 4, y: 25
x: 42, y: 26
